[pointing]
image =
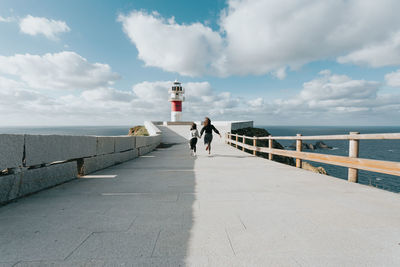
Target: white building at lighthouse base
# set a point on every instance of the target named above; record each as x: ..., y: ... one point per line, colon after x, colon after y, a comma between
x: 176, y: 116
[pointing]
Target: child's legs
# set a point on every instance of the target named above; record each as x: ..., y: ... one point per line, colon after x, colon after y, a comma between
x: 194, y: 144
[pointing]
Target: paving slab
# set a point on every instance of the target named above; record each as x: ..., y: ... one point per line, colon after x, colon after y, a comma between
x: 167, y: 208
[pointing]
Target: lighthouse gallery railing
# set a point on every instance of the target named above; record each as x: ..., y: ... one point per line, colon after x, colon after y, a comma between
x: 352, y: 161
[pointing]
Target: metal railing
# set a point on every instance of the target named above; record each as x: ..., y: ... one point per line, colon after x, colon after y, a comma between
x: 352, y: 162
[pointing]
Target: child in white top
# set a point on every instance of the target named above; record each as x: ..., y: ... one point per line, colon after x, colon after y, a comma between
x: 194, y: 134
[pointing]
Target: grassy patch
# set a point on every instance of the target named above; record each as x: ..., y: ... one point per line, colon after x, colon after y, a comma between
x: 138, y: 130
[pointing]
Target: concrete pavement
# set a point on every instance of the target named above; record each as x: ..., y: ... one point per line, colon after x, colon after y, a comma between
x: 169, y: 209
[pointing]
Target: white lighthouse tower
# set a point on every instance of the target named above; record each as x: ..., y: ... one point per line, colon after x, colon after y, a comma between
x: 176, y: 97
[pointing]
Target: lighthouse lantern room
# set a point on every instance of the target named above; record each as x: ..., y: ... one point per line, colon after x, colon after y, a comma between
x: 176, y: 97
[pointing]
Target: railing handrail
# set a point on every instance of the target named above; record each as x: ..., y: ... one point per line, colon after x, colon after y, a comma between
x: 353, y: 162
x: 382, y: 136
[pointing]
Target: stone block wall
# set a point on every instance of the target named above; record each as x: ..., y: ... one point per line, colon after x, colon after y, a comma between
x: 30, y: 163
x: 41, y: 149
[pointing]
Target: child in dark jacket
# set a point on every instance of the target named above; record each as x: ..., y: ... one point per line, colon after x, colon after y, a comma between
x: 208, y: 128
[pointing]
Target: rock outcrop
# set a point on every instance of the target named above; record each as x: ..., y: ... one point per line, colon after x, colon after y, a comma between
x: 138, y: 131
x: 322, y: 145
x: 304, y: 145
x: 307, y: 166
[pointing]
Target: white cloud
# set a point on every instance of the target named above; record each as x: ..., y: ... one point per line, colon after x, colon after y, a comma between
x: 393, y: 79
x: 107, y: 95
x: 58, y: 71
x: 39, y: 25
x: 333, y: 87
x: 332, y: 93
x: 336, y: 99
x: 265, y: 36
x: 201, y: 99
x: 327, y: 99
x: 59, y: 89
x: 105, y: 105
x: 8, y: 19
x: 187, y: 49
x: 255, y: 103
x: 386, y: 53
x: 17, y: 99
x: 280, y: 73
x: 152, y: 91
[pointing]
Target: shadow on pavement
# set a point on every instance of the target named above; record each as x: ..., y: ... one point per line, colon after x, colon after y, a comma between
x: 143, y: 215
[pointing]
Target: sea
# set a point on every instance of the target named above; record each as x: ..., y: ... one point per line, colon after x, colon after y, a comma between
x: 388, y: 150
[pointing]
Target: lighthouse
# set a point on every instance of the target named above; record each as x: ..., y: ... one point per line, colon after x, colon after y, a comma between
x: 176, y: 97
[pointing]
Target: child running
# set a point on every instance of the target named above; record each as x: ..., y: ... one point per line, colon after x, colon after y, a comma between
x: 193, y: 139
x: 208, y: 128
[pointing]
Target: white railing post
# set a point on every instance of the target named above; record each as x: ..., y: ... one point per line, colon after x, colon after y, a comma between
x: 353, y: 153
x: 244, y: 142
x: 237, y: 140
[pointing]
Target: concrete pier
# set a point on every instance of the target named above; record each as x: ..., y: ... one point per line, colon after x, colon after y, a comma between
x: 167, y: 208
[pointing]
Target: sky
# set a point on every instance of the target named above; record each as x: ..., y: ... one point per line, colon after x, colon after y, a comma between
x: 277, y: 62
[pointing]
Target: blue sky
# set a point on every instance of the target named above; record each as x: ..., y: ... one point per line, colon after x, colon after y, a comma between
x: 302, y: 63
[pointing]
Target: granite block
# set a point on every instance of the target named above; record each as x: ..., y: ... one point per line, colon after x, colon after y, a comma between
x: 41, y: 149
x: 11, y: 150
x: 38, y: 179
x: 9, y: 187
x: 105, y: 145
x: 124, y: 143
